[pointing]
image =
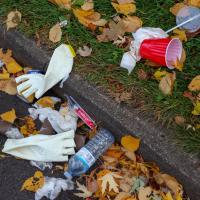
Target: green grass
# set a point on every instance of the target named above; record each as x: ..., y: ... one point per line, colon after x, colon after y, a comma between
x: 102, y: 67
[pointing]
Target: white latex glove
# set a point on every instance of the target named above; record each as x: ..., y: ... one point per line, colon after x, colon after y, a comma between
x: 59, y: 68
x: 53, y: 148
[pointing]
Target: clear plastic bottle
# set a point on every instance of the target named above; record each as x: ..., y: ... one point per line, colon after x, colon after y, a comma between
x: 87, y: 155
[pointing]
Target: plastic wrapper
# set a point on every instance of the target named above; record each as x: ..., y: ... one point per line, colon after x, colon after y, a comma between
x: 13, y: 133
x: 41, y: 165
x: 52, y: 188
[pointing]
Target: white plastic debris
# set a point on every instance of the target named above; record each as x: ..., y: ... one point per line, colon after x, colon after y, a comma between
x: 52, y: 188
x: 13, y: 133
x: 59, y: 69
x: 45, y: 148
x: 59, y: 122
x: 41, y: 165
x: 130, y: 58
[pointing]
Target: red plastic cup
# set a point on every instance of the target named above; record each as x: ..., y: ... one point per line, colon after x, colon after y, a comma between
x: 164, y: 51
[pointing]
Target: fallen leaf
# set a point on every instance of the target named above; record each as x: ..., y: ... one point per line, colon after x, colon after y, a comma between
x: 46, y: 128
x: 176, y: 8
x: 114, y: 153
x: 29, y: 128
x: 9, y: 116
x: 55, y: 33
x: 122, y: 196
x: 4, y: 76
x: 125, y: 1
x: 160, y: 74
x: 46, y: 102
x: 79, y: 141
x: 112, y: 33
x: 144, y: 193
x: 89, y: 19
x: 166, y: 84
x: 13, y: 19
x: 109, y: 180
x: 170, y: 182
x: 152, y: 64
x: 88, y: 5
x: 85, y: 192
x: 132, y: 23
x: 178, y: 33
x: 125, y: 9
x: 6, y: 57
x: 195, y: 84
x: 84, y: 51
x: 179, y: 120
x: 13, y: 67
x: 130, y: 155
x: 109, y: 159
x: 8, y: 86
x: 92, y: 185
x: 142, y: 75
x: 130, y: 143
x: 34, y: 183
x: 196, y: 110
x: 169, y: 196
x: 189, y: 95
x: 195, y: 3
x: 62, y: 3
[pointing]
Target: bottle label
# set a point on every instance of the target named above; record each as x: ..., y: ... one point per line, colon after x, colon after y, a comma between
x: 87, y: 158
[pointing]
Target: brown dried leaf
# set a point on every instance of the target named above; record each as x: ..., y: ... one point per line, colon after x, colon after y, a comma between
x: 13, y: 19
x: 80, y: 141
x: 195, y: 3
x: 142, y: 75
x: 122, y: 97
x: 176, y: 8
x: 166, y: 84
x: 189, y: 95
x: 122, y: 196
x: 112, y: 33
x: 179, y: 64
x: 132, y: 23
x: 8, y: 86
x: 144, y: 193
x: 179, y: 120
x: 84, y: 51
x: 55, y: 33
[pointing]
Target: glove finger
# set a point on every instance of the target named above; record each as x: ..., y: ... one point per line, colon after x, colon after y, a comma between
x: 29, y: 92
x: 69, y: 151
x: 23, y: 86
x: 22, y: 78
x: 69, y: 143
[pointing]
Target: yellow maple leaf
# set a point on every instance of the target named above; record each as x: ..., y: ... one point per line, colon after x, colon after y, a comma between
x: 46, y: 102
x: 130, y: 143
x: 34, y: 183
x: 180, y: 34
x: 9, y: 86
x: 4, y: 76
x: 178, y: 197
x: 176, y: 8
x: 125, y: 9
x: 160, y: 74
x: 108, y: 182
x: 196, y: 110
x: 9, y: 116
x: 195, y: 84
x: 13, y: 67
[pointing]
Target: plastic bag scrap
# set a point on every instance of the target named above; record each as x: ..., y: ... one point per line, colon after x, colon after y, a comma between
x: 52, y: 188
x: 41, y: 165
x: 14, y: 133
x: 130, y: 58
x: 58, y: 121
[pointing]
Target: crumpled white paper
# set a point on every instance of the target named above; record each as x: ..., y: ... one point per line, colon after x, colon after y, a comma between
x: 130, y: 58
x: 52, y: 188
x: 41, y: 165
x: 13, y: 133
x: 59, y: 122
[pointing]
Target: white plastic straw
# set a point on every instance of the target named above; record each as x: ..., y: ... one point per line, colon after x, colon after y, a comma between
x: 183, y: 23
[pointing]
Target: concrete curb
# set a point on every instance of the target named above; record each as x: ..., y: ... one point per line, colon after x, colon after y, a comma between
x: 156, y: 144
